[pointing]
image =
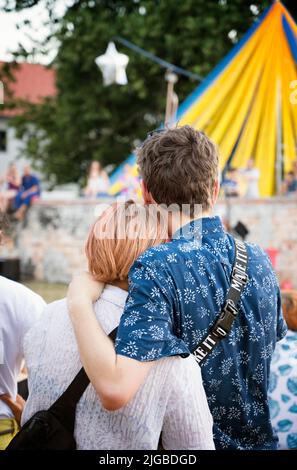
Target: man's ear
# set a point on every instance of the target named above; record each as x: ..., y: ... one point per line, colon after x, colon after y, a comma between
x: 216, y: 191
x: 146, y: 195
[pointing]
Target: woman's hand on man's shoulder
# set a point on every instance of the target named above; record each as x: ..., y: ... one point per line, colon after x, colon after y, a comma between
x: 83, y: 290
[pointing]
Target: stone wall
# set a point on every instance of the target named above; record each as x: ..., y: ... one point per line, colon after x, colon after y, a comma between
x: 272, y: 224
x: 50, y: 242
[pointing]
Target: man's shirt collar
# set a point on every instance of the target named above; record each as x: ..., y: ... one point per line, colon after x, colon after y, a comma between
x: 199, y: 227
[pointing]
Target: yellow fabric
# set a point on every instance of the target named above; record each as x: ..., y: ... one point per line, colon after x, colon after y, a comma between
x: 247, y: 108
x: 246, y: 148
x: 240, y: 109
x: 120, y: 184
x: 7, y: 424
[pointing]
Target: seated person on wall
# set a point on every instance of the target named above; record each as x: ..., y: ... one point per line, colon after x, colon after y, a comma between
x: 289, y: 187
x: 230, y: 187
x: 12, y: 183
x: 283, y: 378
x: 30, y: 190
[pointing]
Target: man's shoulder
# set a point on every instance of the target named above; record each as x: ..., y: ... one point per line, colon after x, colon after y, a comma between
x: 13, y: 288
x: 178, y: 251
x: 156, y: 253
x: 155, y: 263
x: 173, y: 248
x: 20, y: 307
x: 259, y: 259
x: 255, y: 251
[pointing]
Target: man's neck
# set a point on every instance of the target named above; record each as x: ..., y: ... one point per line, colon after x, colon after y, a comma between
x: 179, y: 220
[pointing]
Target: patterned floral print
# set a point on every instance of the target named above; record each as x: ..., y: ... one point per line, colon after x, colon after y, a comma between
x: 178, y: 290
x: 283, y: 391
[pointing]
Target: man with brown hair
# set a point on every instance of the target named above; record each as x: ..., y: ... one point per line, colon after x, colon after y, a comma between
x: 173, y: 165
x: 177, y: 291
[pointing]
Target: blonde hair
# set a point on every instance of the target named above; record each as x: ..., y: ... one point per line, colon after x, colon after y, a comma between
x: 119, y: 236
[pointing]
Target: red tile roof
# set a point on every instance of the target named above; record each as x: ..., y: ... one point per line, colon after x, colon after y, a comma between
x: 32, y: 83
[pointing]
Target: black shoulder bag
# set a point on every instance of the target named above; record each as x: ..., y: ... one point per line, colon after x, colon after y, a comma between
x: 223, y: 325
x: 53, y: 429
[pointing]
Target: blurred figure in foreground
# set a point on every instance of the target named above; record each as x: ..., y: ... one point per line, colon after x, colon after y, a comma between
x: 97, y: 182
x: 30, y: 190
x: 283, y: 378
x: 12, y: 180
x: 20, y: 308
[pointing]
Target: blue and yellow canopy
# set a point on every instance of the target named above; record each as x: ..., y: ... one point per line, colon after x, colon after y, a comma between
x: 246, y: 104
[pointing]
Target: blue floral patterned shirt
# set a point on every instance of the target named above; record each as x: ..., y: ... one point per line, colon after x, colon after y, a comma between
x: 283, y: 391
x: 176, y: 292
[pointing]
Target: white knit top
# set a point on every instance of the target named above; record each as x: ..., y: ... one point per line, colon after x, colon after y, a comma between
x: 171, y: 400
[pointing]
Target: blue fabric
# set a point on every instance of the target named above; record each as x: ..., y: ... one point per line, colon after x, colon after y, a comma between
x: 27, y: 183
x: 283, y: 391
x: 291, y: 38
x: 292, y: 187
x: 19, y: 201
x: 176, y: 292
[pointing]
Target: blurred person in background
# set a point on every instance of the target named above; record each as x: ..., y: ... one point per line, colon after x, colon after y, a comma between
x: 283, y: 378
x: 97, y: 182
x: 289, y: 187
x: 251, y: 176
x: 230, y: 185
x: 295, y: 169
x: 29, y: 191
x: 20, y: 308
x: 12, y: 181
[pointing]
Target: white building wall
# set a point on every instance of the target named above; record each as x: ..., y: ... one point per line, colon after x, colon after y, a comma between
x: 13, y: 150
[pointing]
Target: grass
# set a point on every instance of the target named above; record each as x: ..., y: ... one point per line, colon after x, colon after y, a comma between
x: 49, y: 292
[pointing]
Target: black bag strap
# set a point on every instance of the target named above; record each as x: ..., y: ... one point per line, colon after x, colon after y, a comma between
x: 223, y: 325
x: 65, y: 406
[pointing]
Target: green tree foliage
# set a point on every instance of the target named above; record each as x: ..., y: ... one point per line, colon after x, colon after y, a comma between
x: 88, y: 121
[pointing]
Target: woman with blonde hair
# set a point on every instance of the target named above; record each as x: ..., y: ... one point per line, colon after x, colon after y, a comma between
x: 13, y: 183
x: 172, y: 398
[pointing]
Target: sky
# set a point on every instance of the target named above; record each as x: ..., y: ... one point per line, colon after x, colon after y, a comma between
x: 10, y: 36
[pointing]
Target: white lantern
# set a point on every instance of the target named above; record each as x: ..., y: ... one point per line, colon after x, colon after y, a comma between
x: 113, y: 66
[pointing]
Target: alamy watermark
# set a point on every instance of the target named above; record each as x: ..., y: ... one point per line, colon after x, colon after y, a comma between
x: 131, y: 220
